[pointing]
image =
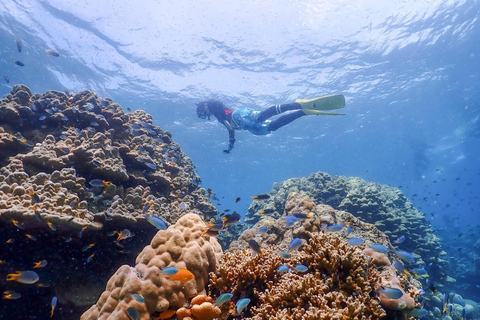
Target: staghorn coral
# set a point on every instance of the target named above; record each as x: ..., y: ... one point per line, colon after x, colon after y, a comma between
x: 180, y: 246
x: 336, y: 285
x: 341, y: 279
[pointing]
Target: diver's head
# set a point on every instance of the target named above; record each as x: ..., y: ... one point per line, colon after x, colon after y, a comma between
x: 202, y: 110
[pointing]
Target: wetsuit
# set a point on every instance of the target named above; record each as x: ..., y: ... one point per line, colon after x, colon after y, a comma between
x: 254, y: 121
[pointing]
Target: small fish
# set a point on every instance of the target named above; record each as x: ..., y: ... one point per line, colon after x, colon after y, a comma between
x: 242, y: 304
x: 284, y: 254
x: 88, y: 246
x: 356, y: 241
x: 28, y: 277
x: 349, y: 230
x: 5, y: 77
x: 151, y: 165
x: 51, y: 226
x: 34, y: 196
x: 262, y: 196
x: 169, y: 271
x: 124, y: 234
x: 99, y: 183
x: 419, y: 271
x: 9, y: 241
x: 295, y: 244
x: 400, y: 239
x: 133, y: 313
x: 53, y: 53
x: 231, y: 219
x: 405, y: 256
x: 378, y: 248
x: 90, y: 258
x: 166, y: 314
x: 262, y: 229
x: 94, y: 124
x: 17, y: 224
x: 19, y: 63
x: 29, y: 236
x: 137, y: 297
x: 223, y: 298
x: 41, y: 118
x: 68, y: 239
x: 183, y: 275
x: 53, y: 304
x: 300, y: 268
x: 302, y: 216
x: 236, y: 200
x: 282, y: 269
x: 40, y: 264
x: 335, y: 228
x: 147, y: 206
x: 19, y: 44
x: 157, y: 222
x: 255, y: 246
x: 266, y: 211
x: 11, y: 295
x: 390, y: 293
x: 80, y: 233
x: 418, y: 313
x: 37, y: 214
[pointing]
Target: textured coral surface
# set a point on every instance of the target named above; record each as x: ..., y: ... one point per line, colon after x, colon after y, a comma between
x: 341, y: 279
x: 181, y: 246
x: 76, y: 170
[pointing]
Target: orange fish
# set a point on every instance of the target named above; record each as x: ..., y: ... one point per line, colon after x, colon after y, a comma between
x: 165, y: 314
x: 183, y: 275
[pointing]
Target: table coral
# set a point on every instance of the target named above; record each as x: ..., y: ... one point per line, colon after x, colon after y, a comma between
x: 181, y: 246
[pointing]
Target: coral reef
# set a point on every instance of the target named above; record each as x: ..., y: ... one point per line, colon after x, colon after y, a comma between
x: 76, y: 172
x: 341, y: 279
x: 383, y: 206
x: 181, y: 246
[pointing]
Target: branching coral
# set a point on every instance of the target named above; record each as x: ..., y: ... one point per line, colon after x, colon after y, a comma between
x: 336, y: 285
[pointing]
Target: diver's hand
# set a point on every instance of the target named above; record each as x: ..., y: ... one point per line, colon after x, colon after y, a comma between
x: 226, y: 151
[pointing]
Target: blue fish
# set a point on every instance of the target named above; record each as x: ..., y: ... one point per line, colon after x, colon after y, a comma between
x: 379, y: 248
x: 295, y: 244
x: 137, y: 297
x: 400, y: 239
x: 156, y: 222
x: 170, y: 271
x: 223, y: 298
x: 418, y: 313
x: 242, y: 304
x: 133, y: 313
x: 151, y: 165
x: 284, y: 254
x: 282, y: 269
x: 419, y: 271
x: 390, y: 293
x: 335, y: 228
x: 263, y: 229
x: 349, y: 230
x: 356, y: 241
x: 301, y: 268
x: 405, y: 256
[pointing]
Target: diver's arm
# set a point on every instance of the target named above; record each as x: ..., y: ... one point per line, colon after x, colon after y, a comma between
x: 231, y: 136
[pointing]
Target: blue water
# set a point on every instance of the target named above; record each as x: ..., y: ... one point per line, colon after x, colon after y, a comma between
x: 409, y: 70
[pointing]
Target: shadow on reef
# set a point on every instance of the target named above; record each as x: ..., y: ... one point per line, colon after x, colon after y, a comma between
x: 78, y: 179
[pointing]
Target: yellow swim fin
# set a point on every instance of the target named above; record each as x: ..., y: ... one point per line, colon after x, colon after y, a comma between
x: 336, y: 101
x: 323, y: 113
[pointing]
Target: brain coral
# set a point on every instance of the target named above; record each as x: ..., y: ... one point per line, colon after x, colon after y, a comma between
x: 181, y: 246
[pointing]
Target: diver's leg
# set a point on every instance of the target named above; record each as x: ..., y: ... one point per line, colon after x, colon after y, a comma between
x: 277, y: 109
x: 286, y: 119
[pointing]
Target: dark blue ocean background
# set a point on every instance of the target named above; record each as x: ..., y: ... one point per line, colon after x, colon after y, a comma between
x: 410, y: 72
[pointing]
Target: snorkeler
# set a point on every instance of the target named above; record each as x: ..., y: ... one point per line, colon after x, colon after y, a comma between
x: 258, y: 123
